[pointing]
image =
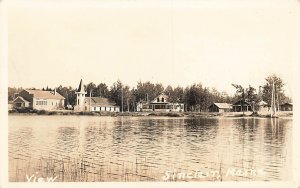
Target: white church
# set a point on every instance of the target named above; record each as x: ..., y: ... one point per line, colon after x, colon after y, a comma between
x: 93, y: 104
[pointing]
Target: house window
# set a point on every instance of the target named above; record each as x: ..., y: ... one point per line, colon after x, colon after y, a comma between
x: 104, y: 108
x: 162, y: 100
x: 94, y: 108
x: 37, y: 102
x: 157, y: 99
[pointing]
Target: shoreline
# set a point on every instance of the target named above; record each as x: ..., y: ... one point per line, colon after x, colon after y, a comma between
x: 283, y: 114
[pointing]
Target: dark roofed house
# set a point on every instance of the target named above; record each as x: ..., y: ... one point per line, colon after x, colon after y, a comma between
x: 220, y: 107
x: 160, y: 103
x: 286, y: 107
x: 241, y: 106
x: 100, y: 104
x: 39, y: 100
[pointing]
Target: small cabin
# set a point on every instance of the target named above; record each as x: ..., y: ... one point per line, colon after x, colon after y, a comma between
x: 220, y: 107
x: 286, y: 107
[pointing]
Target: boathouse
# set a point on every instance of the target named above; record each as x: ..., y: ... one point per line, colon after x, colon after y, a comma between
x: 220, y: 107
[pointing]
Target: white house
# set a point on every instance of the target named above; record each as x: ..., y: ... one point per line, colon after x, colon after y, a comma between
x: 160, y: 103
x: 39, y: 100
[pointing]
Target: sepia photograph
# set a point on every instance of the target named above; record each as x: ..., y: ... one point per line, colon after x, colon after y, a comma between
x: 140, y: 91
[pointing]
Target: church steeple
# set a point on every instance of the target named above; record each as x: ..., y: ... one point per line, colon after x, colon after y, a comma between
x: 80, y: 87
x: 80, y: 96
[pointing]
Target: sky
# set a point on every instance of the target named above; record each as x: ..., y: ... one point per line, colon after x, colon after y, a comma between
x: 176, y: 43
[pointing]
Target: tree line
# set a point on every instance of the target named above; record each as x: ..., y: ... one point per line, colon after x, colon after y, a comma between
x: 196, y: 97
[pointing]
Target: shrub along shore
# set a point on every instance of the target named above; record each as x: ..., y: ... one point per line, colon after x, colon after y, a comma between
x: 136, y: 114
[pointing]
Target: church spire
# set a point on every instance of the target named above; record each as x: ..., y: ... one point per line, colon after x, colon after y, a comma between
x: 80, y: 87
x: 80, y: 97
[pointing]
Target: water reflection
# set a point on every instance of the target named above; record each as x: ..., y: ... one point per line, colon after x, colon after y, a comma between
x: 143, y: 148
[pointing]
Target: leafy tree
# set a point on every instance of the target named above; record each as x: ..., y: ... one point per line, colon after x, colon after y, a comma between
x: 193, y: 97
x: 148, y: 91
x: 121, y: 95
x: 267, y: 89
x: 158, y: 89
x: 252, y: 97
x: 91, y: 88
x: 169, y: 91
x: 102, y: 90
x: 178, y: 95
x: 68, y: 93
x: 12, y: 91
x: 240, y: 92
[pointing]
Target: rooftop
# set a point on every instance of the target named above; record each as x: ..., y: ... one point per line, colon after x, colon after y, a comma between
x: 20, y: 99
x: 100, y: 101
x: 45, y: 94
x: 223, y: 105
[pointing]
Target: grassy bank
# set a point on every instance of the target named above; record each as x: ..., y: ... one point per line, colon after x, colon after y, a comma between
x: 136, y: 114
x: 69, y: 112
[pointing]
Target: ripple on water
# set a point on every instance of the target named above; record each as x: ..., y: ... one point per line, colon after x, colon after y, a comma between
x: 142, y: 149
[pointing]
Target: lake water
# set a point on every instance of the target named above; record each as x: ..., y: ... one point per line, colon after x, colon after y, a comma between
x: 90, y: 148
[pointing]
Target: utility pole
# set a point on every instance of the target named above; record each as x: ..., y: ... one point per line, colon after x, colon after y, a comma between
x: 127, y: 104
x: 122, y: 97
x: 90, y: 99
